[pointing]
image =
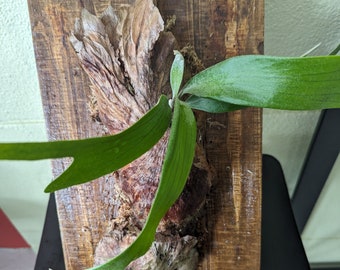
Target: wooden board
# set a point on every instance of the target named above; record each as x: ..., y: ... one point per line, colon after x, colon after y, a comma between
x: 217, y: 29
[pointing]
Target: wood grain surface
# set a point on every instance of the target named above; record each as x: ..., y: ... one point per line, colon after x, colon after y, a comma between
x: 217, y: 29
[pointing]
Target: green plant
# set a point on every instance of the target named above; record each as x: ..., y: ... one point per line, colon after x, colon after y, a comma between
x: 261, y: 81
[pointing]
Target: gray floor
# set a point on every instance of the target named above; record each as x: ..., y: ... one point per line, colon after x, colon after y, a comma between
x: 17, y: 259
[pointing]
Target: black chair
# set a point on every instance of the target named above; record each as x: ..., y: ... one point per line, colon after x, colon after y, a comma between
x: 50, y: 254
x: 322, y: 154
x: 283, y: 220
x: 281, y: 245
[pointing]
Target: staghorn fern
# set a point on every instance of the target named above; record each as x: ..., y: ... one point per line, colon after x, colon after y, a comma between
x: 261, y: 81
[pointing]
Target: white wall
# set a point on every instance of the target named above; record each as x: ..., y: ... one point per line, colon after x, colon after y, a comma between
x: 21, y: 119
x: 291, y: 28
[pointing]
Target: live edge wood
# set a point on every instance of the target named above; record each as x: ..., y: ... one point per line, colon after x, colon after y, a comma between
x: 217, y: 29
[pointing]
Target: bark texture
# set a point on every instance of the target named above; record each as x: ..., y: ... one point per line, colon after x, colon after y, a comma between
x: 127, y: 56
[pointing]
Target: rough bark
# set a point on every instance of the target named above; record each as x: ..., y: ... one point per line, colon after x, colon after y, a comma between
x: 127, y: 56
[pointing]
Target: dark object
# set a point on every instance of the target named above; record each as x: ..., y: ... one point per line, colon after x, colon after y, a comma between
x: 50, y: 254
x: 281, y: 245
x: 323, y: 152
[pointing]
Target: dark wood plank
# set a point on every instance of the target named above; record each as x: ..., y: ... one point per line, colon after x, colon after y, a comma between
x: 217, y: 29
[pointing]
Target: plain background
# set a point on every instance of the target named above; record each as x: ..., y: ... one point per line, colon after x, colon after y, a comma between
x: 291, y: 28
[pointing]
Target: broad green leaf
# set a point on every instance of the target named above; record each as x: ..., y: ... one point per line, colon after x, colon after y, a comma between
x: 176, y: 73
x: 211, y: 105
x: 271, y: 82
x: 96, y: 157
x: 175, y: 171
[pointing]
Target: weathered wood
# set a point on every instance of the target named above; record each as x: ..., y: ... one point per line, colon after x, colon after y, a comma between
x: 83, y: 211
x: 128, y: 70
x: 217, y: 29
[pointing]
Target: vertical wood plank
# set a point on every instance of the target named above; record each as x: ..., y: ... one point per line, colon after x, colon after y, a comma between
x: 217, y: 29
x: 220, y: 29
x: 83, y: 210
